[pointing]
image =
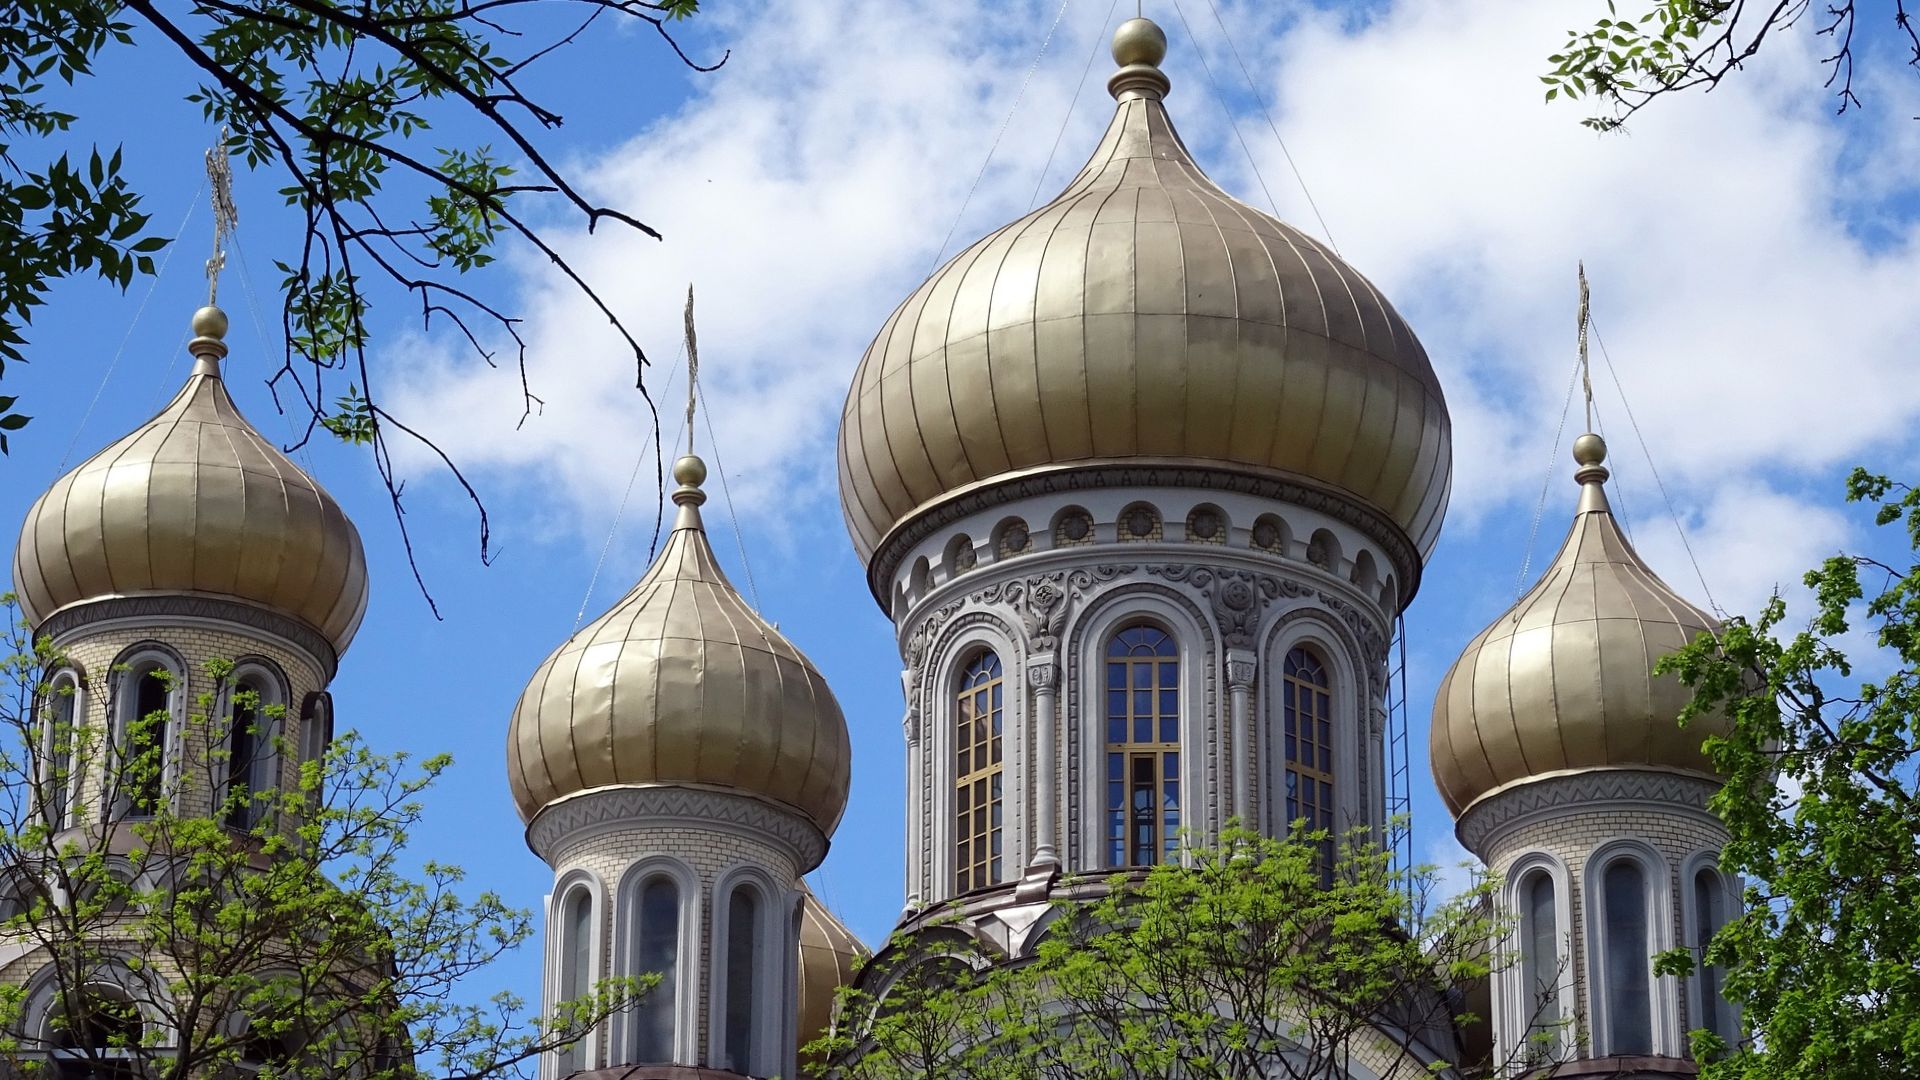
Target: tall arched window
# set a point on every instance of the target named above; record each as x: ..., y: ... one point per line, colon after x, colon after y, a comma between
x: 741, y: 1043
x: 576, y: 967
x: 1307, y: 706
x: 144, y: 737
x: 1539, y: 958
x: 251, y: 760
x: 1712, y: 908
x: 656, y: 951
x: 1143, y: 746
x: 977, y: 810
x: 57, y: 745
x: 1627, y: 955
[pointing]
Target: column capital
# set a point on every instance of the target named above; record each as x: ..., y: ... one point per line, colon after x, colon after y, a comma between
x: 1242, y: 669
x: 1043, y: 671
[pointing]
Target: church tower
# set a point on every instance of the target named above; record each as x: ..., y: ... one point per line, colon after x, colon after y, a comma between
x: 1143, y: 480
x: 190, y: 539
x: 196, y: 589
x: 680, y: 765
x: 1557, y: 751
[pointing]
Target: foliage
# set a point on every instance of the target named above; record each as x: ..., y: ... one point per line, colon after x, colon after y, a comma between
x: 376, y: 115
x: 179, y: 923
x: 1251, y: 961
x: 1624, y: 62
x: 1822, y: 803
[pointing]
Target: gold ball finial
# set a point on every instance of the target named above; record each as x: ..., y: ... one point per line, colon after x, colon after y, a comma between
x: 689, y: 471
x: 1139, y: 41
x: 1589, y: 450
x: 210, y: 322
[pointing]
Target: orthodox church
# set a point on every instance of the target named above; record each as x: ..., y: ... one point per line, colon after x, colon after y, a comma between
x: 1144, y: 481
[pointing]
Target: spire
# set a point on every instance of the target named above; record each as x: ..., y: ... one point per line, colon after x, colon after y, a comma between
x: 1138, y: 47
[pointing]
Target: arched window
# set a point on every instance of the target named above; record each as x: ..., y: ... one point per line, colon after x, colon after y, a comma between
x: 576, y: 966
x: 144, y: 736
x: 1627, y: 958
x: 741, y: 1044
x: 1540, y: 958
x: 1712, y: 908
x: 1143, y: 746
x: 1307, y: 714
x: 57, y: 746
x: 977, y: 772
x: 252, y: 760
x: 95, y: 1032
x: 656, y: 951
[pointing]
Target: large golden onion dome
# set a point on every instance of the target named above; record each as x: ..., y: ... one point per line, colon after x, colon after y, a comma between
x: 681, y: 683
x: 1563, y: 682
x: 1144, y: 317
x: 195, y: 502
x: 829, y: 957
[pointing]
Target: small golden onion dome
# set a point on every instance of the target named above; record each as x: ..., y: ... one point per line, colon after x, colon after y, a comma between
x: 829, y: 957
x: 681, y: 683
x: 1563, y: 682
x: 195, y: 502
x: 1144, y: 316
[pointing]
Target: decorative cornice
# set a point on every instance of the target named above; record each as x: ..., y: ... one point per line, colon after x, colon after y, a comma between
x: 639, y: 807
x: 1581, y: 793
x: 157, y: 607
x: 1084, y: 476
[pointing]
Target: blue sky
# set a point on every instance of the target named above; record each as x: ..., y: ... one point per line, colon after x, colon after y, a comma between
x: 1754, y: 262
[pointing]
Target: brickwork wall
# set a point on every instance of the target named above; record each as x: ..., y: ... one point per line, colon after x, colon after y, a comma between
x: 709, y: 850
x: 196, y: 642
x: 1575, y: 832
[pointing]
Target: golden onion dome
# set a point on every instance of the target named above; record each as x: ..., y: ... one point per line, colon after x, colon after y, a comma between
x: 195, y: 502
x: 1144, y: 317
x: 680, y: 682
x: 1563, y: 682
x: 829, y: 957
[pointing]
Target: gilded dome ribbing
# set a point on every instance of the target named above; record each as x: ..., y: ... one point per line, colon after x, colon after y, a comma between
x: 681, y: 683
x: 1563, y: 682
x: 1144, y: 316
x: 194, y: 502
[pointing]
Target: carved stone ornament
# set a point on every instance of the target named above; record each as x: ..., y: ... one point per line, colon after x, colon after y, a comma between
x: 1140, y: 521
x: 886, y: 561
x: 641, y: 808
x: 1015, y: 539
x: 1077, y: 527
x: 1205, y: 525
x: 965, y: 558
x: 1582, y: 793
x: 1362, y: 625
x: 1043, y: 675
x: 1266, y: 535
x: 1240, y: 673
x: 1237, y: 596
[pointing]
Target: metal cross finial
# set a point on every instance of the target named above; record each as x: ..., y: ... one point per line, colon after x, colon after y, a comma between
x: 1586, y: 373
x: 226, y: 216
x: 693, y: 367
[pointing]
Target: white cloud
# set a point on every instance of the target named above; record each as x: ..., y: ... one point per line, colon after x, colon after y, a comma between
x: 805, y: 188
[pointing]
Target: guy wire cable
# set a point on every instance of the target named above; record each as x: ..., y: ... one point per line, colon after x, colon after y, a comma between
x: 1079, y: 89
x: 1001, y: 134
x: 152, y: 283
x: 1261, y: 99
x: 1200, y: 53
x: 1678, y: 525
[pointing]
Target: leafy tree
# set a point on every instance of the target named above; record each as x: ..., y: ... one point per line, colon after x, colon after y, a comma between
x: 1657, y: 47
x: 163, y: 920
x: 381, y: 118
x: 1822, y: 804
x: 1252, y: 961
